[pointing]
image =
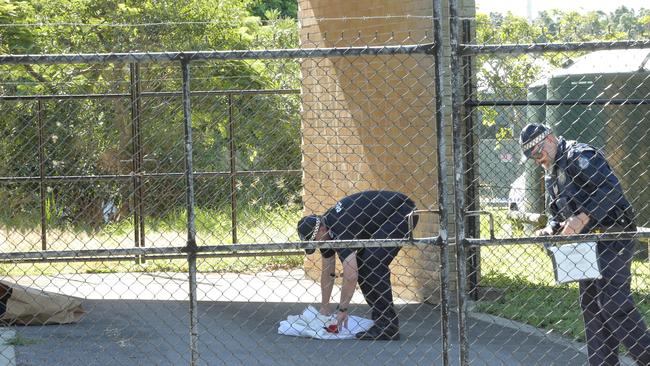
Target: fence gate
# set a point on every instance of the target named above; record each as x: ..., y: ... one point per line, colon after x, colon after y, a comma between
x: 150, y: 199
x: 593, y: 91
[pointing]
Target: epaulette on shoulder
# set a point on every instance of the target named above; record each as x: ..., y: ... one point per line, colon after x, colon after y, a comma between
x: 577, y: 148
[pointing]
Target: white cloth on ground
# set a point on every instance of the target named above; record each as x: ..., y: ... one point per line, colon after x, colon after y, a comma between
x: 312, y: 324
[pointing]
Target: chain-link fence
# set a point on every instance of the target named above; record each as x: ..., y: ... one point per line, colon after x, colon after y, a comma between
x: 582, y: 88
x: 151, y: 199
x: 154, y: 197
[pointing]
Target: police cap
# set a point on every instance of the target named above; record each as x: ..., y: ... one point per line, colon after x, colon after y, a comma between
x: 531, y: 135
x: 307, y: 228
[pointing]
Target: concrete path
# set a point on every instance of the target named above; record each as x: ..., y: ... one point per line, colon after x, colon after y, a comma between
x: 7, y: 353
x: 142, y: 319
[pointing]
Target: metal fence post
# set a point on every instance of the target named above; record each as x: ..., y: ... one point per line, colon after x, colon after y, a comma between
x: 136, y: 156
x: 233, y: 170
x: 459, y: 182
x: 191, y: 225
x: 442, y: 176
x: 472, y: 190
x: 41, y: 171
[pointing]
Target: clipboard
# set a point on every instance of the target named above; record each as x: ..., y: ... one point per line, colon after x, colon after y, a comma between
x: 574, y: 262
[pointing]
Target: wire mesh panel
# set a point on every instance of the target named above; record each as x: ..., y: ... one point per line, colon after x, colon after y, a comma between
x: 595, y: 95
x: 216, y: 160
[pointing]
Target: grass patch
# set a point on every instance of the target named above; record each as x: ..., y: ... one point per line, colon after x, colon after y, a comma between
x: 553, y: 308
x: 255, y: 225
x: 216, y: 265
x: 19, y: 340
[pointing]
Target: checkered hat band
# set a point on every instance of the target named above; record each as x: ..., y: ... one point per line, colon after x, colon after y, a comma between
x: 530, y: 144
x: 316, y: 227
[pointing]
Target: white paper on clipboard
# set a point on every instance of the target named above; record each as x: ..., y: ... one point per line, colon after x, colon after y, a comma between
x: 575, y: 262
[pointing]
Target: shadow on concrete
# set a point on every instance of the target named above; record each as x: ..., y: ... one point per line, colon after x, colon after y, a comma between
x: 154, y: 332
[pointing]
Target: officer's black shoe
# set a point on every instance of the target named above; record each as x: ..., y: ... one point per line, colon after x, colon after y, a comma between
x: 378, y: 334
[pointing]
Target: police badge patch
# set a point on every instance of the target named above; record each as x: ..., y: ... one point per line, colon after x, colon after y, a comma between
x: 583, y: 162
x: 561, y: 177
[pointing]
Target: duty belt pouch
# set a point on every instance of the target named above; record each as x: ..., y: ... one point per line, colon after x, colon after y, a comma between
x: 574, y: 262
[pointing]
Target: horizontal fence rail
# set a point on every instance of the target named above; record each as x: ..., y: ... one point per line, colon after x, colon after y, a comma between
x: 79, y: 178
x: 236, y: 249
x: 148, y: 94
x: 216, y: 55
x: 515, y: 49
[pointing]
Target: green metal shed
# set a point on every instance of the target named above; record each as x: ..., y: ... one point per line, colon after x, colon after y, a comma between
x: 621, y: 131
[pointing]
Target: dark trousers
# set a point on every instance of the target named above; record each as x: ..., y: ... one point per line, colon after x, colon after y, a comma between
x: 374, y: 272
x: 609, y: 312
x: 374, y: 280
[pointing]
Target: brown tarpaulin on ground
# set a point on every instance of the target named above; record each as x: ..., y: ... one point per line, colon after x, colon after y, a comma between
x: 28, y: 306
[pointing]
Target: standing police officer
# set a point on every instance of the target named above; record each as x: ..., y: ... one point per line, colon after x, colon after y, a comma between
x: 364, y: 215
x: 586, y: 196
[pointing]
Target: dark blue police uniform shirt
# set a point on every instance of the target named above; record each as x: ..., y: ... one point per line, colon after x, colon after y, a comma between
x: 359, y: 216
x: 581, y: 180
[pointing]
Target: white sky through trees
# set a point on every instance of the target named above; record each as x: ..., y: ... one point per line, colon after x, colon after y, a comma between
x: 520, y: 7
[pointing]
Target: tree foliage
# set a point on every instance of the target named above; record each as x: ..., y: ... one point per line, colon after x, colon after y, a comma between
x: 509, y: 76
x: 274, y: 9
x: 93, y: 136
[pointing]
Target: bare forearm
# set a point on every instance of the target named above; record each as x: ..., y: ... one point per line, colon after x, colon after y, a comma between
x: 347, y: 291
x: 327, y: 277
x: 350, y: 274
x: 327, y: 283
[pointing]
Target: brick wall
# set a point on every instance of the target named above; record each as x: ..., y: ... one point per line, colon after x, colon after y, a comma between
x: 368, y: 122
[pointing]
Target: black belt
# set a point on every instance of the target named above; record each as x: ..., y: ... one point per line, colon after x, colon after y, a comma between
x: 614, y: 228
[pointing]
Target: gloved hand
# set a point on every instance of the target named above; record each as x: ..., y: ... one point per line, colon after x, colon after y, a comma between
x: 325, y: 310
x: 342, y: 319
x: 545, y: 231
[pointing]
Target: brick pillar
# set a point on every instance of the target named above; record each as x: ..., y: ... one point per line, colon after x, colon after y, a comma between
x: 368, y: 122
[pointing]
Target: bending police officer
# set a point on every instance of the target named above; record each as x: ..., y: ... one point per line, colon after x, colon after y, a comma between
x: 363, y: 215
